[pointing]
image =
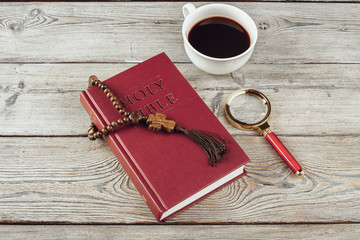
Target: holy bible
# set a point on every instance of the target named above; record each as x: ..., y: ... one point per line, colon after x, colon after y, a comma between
x: 170, y: 171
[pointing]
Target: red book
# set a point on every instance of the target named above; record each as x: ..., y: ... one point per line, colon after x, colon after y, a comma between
x: 170, y: 171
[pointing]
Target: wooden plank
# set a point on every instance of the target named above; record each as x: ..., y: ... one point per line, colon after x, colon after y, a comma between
x: 307, y: 99
x: 133, y: 32
x: 73, y: 180
x: 302, y: 231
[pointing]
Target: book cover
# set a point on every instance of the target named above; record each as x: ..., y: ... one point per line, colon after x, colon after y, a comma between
x: 170, y: 171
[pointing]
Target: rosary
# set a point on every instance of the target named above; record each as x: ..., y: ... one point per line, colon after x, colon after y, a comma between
x: 210, y: 142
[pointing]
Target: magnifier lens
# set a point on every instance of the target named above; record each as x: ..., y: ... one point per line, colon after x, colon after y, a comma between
x: 248, y: 108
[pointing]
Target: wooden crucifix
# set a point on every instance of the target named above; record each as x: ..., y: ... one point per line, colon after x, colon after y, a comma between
x: 159, y: 122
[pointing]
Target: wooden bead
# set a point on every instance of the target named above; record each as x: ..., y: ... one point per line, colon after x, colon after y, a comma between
x: 91, y: 137
x: 120, y: 121
x: 92, y: 80
x: 103, y: 86
x: 94, y: 77
x: 109, y: 94
x: 107, y: 90
x: 113, y: 99
x: 98, y: 134
x: 117, y: 107
x: 91, y: 127
x: 91, y: 131
x: 126, y: 114
x: 114, y: 124
x: 104, y: 131
x: 121, y: 111
x: 110, y: 128
x: 115, y: 103
x: 126, y: 119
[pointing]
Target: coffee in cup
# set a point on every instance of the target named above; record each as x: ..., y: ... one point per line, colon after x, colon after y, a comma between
x: 218, y: 38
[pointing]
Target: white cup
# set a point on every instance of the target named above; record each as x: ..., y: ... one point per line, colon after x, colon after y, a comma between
x: 213, y: 65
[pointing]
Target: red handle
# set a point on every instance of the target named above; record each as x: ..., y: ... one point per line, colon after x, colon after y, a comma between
x: 284, y: 153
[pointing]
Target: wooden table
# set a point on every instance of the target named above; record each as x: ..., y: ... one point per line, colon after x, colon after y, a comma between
x: 55, y: 183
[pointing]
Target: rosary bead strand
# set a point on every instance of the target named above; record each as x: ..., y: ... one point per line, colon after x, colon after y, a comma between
x: 210, y: 143
x: 133, y: 117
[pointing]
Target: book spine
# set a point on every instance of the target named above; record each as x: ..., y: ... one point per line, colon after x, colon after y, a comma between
x: 129, y: 167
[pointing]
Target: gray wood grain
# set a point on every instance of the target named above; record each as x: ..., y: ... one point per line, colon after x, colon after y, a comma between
x: 73, y: 180
x: 133, y: 32
x: 284, y: 232
x: 306, y: 61
x: 309, y: 99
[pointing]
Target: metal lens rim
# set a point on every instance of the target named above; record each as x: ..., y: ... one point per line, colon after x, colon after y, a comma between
x: 243, y: 125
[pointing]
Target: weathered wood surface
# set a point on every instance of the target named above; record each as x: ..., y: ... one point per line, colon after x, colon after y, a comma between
x: 309, y: 99
x: 306, y: 61
x: 73, y: 180
x: 132, y: 32
x: 208, y: 232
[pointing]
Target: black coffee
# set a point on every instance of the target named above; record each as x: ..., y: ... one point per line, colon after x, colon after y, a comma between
x: 219, y: 37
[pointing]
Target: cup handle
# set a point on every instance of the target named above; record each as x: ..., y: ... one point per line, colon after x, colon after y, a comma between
x: 187, y: 9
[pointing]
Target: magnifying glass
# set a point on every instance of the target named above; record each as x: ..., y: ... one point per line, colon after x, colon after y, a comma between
x: 249, y: 109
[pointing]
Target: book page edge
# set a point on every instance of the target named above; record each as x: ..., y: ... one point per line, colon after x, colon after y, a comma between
x: 203, y: 192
